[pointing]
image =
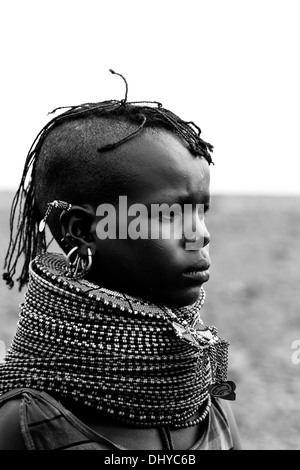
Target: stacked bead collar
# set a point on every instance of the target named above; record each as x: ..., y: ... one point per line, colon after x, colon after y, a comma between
x: 117, y: 353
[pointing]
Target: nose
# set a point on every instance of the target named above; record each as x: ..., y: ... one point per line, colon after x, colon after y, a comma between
x: 195, y: 233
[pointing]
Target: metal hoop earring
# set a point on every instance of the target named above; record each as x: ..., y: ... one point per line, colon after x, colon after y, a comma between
x: 78, y: 268
x: 90, y: 259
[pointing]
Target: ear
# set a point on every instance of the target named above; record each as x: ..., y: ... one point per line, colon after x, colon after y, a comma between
x: 77, y: 227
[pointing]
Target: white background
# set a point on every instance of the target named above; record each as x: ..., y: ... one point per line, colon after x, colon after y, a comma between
x: 231, y: 66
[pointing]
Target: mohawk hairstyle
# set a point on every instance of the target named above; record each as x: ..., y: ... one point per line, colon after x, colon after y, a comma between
x: 25, y: 238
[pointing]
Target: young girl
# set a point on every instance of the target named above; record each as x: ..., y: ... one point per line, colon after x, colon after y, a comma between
x: 110, y: 350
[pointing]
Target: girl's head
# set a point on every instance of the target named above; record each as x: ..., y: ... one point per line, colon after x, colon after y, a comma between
x: 104, y: 159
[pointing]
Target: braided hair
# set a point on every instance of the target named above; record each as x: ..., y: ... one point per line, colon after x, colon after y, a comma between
x: 25, y: 237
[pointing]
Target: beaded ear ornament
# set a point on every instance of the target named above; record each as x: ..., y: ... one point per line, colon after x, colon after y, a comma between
x: 54, y: 204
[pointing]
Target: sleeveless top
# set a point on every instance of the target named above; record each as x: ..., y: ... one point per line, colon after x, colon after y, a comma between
x: 47, y: 425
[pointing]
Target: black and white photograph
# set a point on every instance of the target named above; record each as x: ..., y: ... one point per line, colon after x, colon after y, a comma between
x: 150, y: 227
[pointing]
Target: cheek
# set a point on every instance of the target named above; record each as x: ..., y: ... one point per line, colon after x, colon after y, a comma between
x: 112, y: 250
x: 136, y: 255
x: 166, y: 230
x: 161, y: 256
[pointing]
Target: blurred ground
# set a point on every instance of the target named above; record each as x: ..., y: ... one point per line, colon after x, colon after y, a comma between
x: 253, y: 297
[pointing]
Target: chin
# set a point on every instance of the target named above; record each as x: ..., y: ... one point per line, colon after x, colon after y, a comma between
x: 182, y: 299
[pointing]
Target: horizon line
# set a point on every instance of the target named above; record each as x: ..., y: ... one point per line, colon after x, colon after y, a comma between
x: 222, y: 193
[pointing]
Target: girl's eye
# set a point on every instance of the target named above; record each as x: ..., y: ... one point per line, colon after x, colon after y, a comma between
x: 169, y: 216
x: 203, y: 210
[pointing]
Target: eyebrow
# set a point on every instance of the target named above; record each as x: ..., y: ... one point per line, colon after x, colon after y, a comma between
x: 184, y: 198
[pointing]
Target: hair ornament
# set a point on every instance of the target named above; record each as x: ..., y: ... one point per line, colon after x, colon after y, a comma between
x: 54, y: 204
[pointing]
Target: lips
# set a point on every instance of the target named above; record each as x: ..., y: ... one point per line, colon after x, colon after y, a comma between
x: 197, y: 267
x: 198, y: 272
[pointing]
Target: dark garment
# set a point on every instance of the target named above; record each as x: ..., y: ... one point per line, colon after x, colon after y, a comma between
x: 47, y: 425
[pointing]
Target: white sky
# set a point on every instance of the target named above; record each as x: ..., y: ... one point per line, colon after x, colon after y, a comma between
x: 232, y: 66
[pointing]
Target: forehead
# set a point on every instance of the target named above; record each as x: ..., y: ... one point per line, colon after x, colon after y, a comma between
x: 158, y: 163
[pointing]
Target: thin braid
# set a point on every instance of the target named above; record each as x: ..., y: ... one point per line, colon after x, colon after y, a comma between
x: 125, y: 139
x: 25, y: 238
x: 126, y: 85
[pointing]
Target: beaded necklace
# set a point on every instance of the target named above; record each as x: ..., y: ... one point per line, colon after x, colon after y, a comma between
x: 138, y: 362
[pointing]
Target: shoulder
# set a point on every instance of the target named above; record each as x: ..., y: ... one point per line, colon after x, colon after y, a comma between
x: 10, y: 429
x: 232, y: 425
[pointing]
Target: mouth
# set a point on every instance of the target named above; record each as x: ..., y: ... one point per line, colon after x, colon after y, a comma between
x: 199, y: 274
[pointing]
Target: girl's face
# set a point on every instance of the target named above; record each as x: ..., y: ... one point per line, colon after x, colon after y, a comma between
x: 159, y: 169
